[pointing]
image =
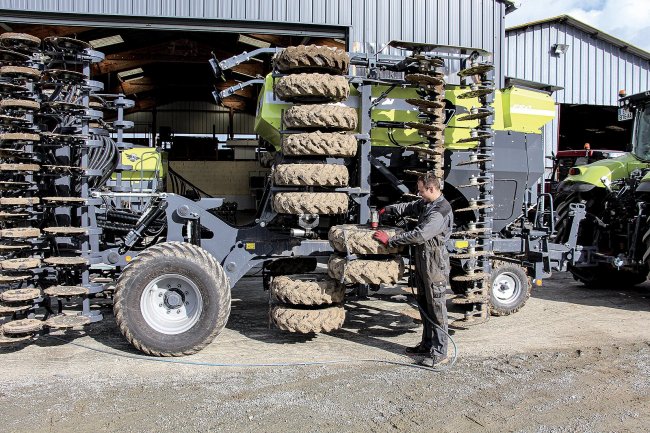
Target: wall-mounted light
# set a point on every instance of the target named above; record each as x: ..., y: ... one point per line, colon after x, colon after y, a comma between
x: 559, y: 49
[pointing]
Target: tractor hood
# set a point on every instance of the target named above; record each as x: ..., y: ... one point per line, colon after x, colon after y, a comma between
x: 589, y: 176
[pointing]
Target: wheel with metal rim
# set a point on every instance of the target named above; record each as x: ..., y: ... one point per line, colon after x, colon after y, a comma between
x: 510, y: 289
x: 173, y: 299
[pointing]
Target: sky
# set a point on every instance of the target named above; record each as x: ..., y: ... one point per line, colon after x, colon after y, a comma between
x: 628, y: 20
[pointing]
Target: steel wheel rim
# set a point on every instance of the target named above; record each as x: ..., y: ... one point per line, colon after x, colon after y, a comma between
x: 506, y: 288
x: 171, y: 304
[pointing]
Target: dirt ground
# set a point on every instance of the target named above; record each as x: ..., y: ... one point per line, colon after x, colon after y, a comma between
x: 572, y: 360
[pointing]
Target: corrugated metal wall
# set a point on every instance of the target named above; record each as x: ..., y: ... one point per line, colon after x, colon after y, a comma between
x: 194, y: 117
x: 592, y: 71
x: 475, y: 23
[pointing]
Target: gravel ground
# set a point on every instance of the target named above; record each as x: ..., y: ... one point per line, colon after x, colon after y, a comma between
x: 572, y: 360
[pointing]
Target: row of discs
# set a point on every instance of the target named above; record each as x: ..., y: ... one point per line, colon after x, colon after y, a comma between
x: 477, y: 255
x: 312, y: 78
x: 41, y: 146
x: 430, y: 84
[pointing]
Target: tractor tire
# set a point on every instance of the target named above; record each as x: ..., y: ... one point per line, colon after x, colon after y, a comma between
x: 308, y: 321
x: 307, y: 290
x: 312, y: 58
x: 322, y: 203
x: 320, y: 144
x: 608, y: 277
x: 312, y: 88
x: 355, y: 239
x: 365, y: 271
x: 332, y: 117
x: 510, y: 288
x: 311, y: 175
x: 292, y: 265
x: 563, y: 219
x: 159, y: 284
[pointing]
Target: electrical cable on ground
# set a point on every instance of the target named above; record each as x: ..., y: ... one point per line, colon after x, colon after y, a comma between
x: 244, y: 365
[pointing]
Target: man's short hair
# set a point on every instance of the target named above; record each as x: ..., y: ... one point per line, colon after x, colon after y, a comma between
x: 429, y: 180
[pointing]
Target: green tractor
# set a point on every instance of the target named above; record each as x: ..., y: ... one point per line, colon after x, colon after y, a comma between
x: 615, y: 236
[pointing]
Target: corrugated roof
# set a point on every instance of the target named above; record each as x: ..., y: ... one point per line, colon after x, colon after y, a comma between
x: 593, y: 31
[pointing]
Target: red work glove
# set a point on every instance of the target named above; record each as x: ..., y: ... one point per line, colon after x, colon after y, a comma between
x: 381, y: 236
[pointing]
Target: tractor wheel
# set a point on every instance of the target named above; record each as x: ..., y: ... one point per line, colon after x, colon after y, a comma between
x: 312, y: 88
x: 319, y: 144
x: 307, y: 290
x: 304, y: 58
x: 311, y: 175
x: 608, y: 277
x: 173, y: 299
x: 356, y: 239
x: 563, y: 220
x: 334, y: 117
x: 365, y: 271
x: 322, y: 203
x: 510, y: 288
x: 308, y: 321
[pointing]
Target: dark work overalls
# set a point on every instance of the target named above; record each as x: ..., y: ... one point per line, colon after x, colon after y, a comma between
x: 435, y: 221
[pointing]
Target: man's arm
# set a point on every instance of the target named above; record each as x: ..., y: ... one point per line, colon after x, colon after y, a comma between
x: 433, y: 224
x: 411, y: 208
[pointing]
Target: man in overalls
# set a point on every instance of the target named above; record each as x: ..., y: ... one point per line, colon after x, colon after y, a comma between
x: 431, y: 259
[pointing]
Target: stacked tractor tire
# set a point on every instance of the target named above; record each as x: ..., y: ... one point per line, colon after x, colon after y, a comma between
x: 305, y: 184
x: 46, y: 136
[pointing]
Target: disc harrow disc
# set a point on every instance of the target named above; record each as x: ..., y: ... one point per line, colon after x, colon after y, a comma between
x: 19, y: 201
x: 475, y: 116
x: 20, y: 72
x: 66, y: 230
x: 435, y: 151
x: 464, y: 300
x: 13, y: 58
x: 436, y: 79
x: 476, y: 93
x: 13, y: 279
x: 425, y: 103
x: 66, y: 261
x: 11, y: 89
x: 438, y: 126
x: 471, y: 277
x: 24, y: 326
x: 475, y: 207
x: 19, y: 41
x: 20, y: 295
x: 65, y: 76
x: 17, y: 122
x: 477, y: 69
x: 6, y: 340
x: 476, y: 137
x: 73, y: 200
x: 471, y: 232
x: 63, y: 321
x: 471, y: 255
x: 19, y: 104
x: 474, y: 161
x: 20, y: 233
x: 69, y: 45
x: 13, y: 215
x: 63, y: 139
x: 19, y: 136
x: 435, y: 62
x: 62, y: 107
x: 66, y: 291
x: 475, y: 184
x: 20, y: 264
x: 14, y: 247
x: 58, y: 169
x: 20, y: 167
x: 12, y: 185
x: 11, y: 309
